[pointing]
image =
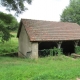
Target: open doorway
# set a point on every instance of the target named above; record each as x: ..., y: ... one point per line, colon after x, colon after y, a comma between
x: 68, y: 47
x: 46, y: 45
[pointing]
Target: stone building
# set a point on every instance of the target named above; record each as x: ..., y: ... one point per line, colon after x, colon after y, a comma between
x: 35, y: 35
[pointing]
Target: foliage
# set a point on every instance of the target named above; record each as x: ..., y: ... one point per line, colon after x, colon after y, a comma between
x: 4, y: 34
x: 77, y: 49
x: 72, y: 12
x: 51, y: 52
x: 7, y: 23
x: 15, y: 5
x: 42, y: 69
x: 10, y: 46
x: 54, y: 51
x: 60, y: 51
x: 44, y: 52
x: 8, y: 50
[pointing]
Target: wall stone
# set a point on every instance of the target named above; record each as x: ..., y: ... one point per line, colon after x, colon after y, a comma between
x: 34, y: 50
x: 24, y: 44
x: 26, y: 48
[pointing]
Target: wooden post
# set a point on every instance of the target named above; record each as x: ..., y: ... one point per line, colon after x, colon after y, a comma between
x: 76, y: 43
x: 59, y: 44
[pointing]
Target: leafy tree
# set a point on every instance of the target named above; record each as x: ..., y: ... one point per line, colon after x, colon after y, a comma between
x: 7, y: 23
x: 15, y: 5
x: 72, y: 12
x: 4, y: 34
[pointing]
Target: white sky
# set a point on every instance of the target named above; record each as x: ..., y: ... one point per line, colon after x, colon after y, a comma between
x: 44, y: 10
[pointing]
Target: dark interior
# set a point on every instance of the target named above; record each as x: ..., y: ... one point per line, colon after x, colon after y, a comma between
x: 47, y: 45
x: 68, y: 47
x: 79, y: 43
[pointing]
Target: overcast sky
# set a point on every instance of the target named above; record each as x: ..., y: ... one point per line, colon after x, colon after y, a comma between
x: 44, y: 10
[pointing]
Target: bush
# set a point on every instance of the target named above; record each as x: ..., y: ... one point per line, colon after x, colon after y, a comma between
x: 77, y: 49
x: 52, y: 52
x: 55, y: 51
x: 44, y: 52
x: 8, y: 50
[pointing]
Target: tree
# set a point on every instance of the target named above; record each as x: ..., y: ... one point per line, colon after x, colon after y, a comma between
x: 7, y: 23
x: 72, y: 12
x: 4, y: 34
x: 9, y: 20
x: 15, y: 5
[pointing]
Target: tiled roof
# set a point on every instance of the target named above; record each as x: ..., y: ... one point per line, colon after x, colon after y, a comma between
x: 39, y: 30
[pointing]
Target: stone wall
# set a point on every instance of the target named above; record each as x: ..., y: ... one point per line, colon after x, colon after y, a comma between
x: 26, y: 48
x: 24, y: 44
x: 35, y: 50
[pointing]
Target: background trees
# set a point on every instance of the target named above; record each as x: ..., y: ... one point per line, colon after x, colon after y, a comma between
x: 7, y: 23
x: 15, y: 5
x: 72, y: 12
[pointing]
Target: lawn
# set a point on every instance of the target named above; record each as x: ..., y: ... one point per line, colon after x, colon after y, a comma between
x: 47, y: 68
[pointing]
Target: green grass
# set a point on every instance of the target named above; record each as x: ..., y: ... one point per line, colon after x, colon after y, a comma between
x: 9, y: 46
x: 48, y: 68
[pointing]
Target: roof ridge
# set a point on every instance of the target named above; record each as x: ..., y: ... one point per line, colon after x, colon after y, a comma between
x: 47, y: 21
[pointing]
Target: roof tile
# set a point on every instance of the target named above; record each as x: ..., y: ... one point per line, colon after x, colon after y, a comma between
x: 39, y: 30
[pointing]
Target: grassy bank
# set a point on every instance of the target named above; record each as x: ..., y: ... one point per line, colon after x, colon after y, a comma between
x: 48, y: 68
x: 10, y: 46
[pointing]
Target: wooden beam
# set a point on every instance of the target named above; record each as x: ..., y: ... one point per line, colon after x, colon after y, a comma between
x: 59, y: 44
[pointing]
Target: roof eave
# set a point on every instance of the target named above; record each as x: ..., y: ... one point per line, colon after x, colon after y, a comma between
x: 19, y: 29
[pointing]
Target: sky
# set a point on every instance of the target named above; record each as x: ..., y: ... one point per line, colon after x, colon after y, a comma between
x: 43, y: 10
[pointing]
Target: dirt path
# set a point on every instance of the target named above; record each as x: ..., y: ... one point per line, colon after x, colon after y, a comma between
x: 78, y: 78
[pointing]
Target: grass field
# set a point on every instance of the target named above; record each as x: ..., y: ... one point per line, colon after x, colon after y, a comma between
x: 48, y: 68
x: 10, y: 46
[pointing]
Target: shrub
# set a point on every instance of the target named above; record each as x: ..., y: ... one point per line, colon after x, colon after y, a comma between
x: 8, y: 50
x: 51, y: 52
x: 57, y: 51
x: 77, y: 49
x: 44, y: 52
x: 54, y: 51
